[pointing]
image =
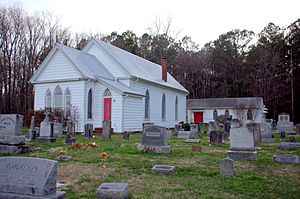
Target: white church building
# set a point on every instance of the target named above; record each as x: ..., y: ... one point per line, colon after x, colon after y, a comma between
x: 104, y: 82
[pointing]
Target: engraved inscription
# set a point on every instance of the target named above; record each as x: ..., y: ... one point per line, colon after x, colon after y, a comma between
x: 4, y: 177
x: 21, y: 167
x: 153, y: 134
x: 25, y: 179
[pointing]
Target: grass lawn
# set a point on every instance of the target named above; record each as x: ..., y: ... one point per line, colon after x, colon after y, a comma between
x: 197, y: 174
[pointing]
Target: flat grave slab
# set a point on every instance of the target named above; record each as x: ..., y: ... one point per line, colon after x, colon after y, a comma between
x: 156, y: 149
x: 286, y: 159
x: 288, y: 145
x: 113, y: 190
x: 163, y: 169
x: 226, y: 167
x: 192, y: 140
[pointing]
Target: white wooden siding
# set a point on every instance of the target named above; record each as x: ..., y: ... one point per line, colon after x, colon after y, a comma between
x: 208, y: 114
x: 156, y: 94
x: 133, y: 113
x: 98, y: 106
x: 109, y: 63
x: 75, y: 88
x: 58, y: 68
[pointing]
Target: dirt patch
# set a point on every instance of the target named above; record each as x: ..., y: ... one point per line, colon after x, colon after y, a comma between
x: 82, y: 177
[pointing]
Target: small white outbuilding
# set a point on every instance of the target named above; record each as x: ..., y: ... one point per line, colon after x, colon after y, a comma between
x: 104, y: 82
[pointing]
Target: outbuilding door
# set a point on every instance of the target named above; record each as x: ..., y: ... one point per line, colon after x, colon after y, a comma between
x: 198, y: 117
x: 107, y: 109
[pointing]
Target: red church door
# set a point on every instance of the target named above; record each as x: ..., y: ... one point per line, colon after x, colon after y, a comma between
x: 107, y: 109
x: 198, y: 117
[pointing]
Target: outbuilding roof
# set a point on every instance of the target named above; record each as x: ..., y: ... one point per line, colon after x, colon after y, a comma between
x: 246, y: 102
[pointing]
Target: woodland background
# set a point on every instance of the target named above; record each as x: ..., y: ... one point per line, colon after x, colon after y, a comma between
x: 240, y: 63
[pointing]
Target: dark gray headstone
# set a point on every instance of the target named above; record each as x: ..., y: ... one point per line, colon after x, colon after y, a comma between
x: 28, y: 177
x: 154, y: 136
x: 70, y: 133
x: 255, y: 127
x: 292, y: 139
x: 32, y: 135
x: 106, y: 130
x: 11, y: 124
x: 113, y: 190
x: 282, y: 134
x: 215, y: 138
x: 226, y: 167
x: 88, y: 131
x: 126, y: 135
x: 57, y: 130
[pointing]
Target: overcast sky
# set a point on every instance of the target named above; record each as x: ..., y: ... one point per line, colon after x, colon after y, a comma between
x: 203, y: 20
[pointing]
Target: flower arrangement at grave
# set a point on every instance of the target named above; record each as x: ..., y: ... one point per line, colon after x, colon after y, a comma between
x: 76, y: 146
x: 103, y: 157
x: 62, y: 153
x: 93, y: 145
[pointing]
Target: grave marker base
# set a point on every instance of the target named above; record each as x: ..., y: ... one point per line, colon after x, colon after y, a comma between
x: 57, y: 195
x: 155, y: 149
x: 163, y: 169
x: 242, y: 155
x: 46, y: 139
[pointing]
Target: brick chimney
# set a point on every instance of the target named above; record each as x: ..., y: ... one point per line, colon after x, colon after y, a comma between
x: 164, y: 66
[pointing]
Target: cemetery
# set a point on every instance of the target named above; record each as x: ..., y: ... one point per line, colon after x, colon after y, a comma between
x: 155, y: 163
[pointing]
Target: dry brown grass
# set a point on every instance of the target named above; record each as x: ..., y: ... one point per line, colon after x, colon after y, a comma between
x: 80, y: 176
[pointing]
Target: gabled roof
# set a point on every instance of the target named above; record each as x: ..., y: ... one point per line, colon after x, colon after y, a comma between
x: 87, y: 65
x: 136, y: 66
x: 247, y: 102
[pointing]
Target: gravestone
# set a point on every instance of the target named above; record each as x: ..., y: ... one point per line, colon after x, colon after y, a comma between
x: 106, y: 133
x: 255, y: 127
x: 32, y: 132
x: 45, y: 128
x: 266, y: 132
x: 147, y: 124
x: 298, y: 129
x: 184, y: 135
x: 282, y: 135
x: 212, y: 126
x: 154, y: 136
x: 192, y: 140
x: 113, y: 190
x: 284, y: 123
x: 292, y: 139
x: 126, y: 135
x: 242, y: 144
x: 178, y: 127
x: 215, y: 138
x: 288, y: 146
x: 154, y: 139
x: 194, y: 131
x: 226, y: 167
x: 226, y: 130
x: 286, y: 159
x: 25, y: 177
x: 57, y: 130
x: 11, y: 141
x: 11, y: 124
x: 70, y: 139
x: 88, y: 131
x: 163, y: 169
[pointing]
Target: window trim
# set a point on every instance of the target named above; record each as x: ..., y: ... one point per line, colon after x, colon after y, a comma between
x: 163, y: 108
x: 90, y: 104
x: 147, y: 105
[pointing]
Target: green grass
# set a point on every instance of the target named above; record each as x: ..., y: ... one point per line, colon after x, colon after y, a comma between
x: 197, y: 174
